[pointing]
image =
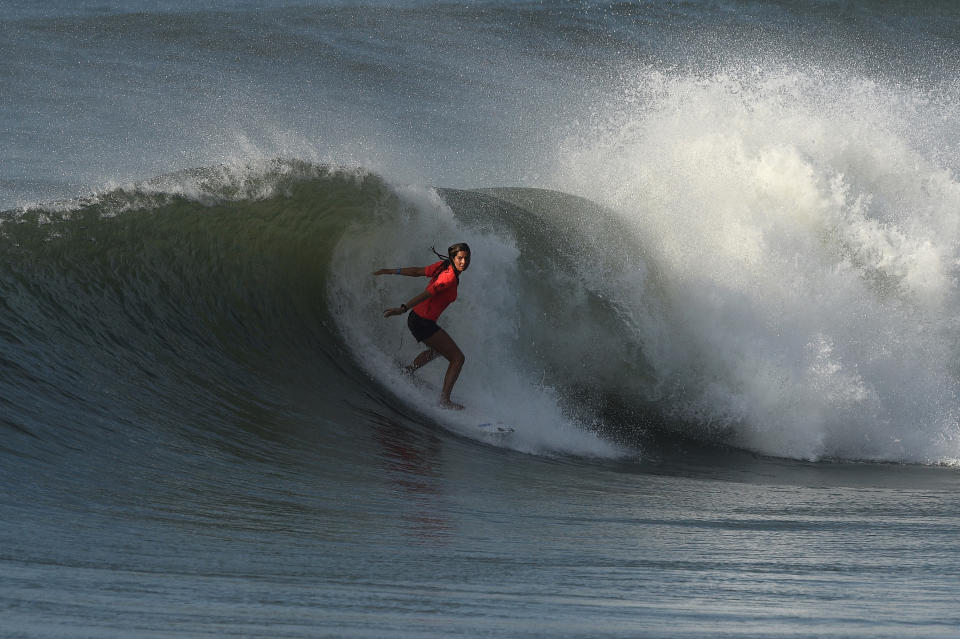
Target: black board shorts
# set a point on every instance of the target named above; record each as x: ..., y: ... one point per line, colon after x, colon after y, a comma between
x: 420, y: 327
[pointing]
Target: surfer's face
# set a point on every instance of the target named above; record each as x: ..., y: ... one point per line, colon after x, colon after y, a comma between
x: 461, y: 261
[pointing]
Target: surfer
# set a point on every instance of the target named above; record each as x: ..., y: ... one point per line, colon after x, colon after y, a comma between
x: 426, y: 307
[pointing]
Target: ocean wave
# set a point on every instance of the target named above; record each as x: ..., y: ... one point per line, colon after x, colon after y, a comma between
x: 228, y: 289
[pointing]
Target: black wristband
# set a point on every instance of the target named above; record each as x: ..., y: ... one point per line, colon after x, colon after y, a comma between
x: 403, y: 307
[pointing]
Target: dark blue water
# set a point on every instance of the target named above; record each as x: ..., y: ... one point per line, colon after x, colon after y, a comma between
x: 713, y: 293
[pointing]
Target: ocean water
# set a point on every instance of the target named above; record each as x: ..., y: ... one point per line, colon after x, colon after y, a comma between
x: 714, y: 292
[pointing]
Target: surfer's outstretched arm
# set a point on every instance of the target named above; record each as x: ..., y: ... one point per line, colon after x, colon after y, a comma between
x: 409, y: 271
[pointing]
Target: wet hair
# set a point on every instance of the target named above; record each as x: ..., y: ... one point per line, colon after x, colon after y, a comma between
x: 456, y: 248
x: 448, y: 259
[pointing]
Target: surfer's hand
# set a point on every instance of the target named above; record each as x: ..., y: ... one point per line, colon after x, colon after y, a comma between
x: 390, y: 312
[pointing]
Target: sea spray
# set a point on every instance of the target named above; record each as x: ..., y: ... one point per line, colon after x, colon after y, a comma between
x: 806, y: 228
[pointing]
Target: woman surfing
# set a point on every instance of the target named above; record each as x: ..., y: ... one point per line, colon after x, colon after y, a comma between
x: 426, y: 307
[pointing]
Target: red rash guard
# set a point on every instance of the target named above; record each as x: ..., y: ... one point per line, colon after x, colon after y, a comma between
x: 443, y: 291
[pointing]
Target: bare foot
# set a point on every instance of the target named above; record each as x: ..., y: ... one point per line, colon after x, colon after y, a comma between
x: 446, y: 403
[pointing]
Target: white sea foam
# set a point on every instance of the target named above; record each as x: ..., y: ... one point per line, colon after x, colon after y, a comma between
x: 807, y: 230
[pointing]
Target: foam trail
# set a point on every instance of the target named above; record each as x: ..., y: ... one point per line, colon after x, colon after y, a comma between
x: 806, y: 227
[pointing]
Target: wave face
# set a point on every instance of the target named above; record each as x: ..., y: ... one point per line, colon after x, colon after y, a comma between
x: 809, y: 331
x: 181, y: 306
